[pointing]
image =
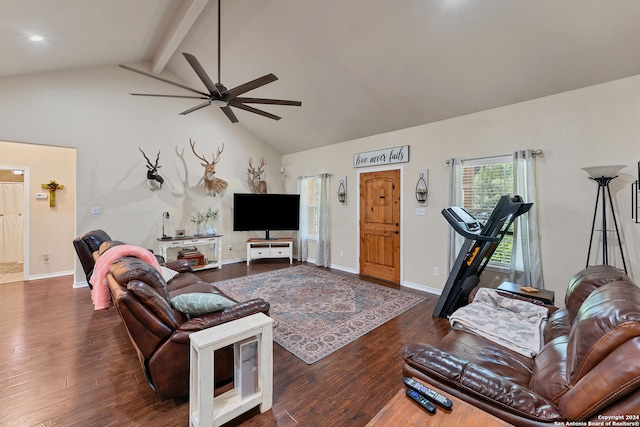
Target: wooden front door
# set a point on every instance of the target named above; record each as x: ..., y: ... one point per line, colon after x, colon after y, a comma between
x: 380, y: 225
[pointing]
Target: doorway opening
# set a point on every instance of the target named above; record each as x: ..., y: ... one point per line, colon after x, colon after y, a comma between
x: 13, y: 223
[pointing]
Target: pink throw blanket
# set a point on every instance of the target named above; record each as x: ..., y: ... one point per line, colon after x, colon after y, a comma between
x: 100, y: 294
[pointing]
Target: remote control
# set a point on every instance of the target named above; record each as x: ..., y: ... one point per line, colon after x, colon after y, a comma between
x: 421, y: 400
x: 427, y: 392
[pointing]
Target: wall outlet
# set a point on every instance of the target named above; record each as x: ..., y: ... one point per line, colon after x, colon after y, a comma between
x: 436, y: 271
x: 230, y: 248
x: 45, y: 257
x: 421, y: 211
x: 341, y: 252
x: 96, y: 211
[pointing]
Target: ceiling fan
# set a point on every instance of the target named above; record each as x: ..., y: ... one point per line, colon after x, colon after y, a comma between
x: 218, y: 94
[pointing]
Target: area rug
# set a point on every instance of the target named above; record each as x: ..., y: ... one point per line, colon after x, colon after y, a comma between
x: 316, y: 311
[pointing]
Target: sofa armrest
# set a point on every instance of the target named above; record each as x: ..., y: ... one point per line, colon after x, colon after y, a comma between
x: 179, y: 265
x: 237, y: 311
x: 479, y: 382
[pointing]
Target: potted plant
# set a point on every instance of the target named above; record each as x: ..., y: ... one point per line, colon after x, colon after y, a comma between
x: 207, y: 218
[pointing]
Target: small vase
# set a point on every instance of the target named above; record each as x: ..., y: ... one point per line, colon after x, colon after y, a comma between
x: 211, y: 230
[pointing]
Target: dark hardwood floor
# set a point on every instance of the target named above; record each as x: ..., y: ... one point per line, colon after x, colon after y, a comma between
x: 64, y: 364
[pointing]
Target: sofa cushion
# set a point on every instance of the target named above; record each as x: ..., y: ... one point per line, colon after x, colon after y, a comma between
x: 478, y: 351
x: 127, y: 269
x: 609, y: 317
x: 583, y: 283
x: 196, y: 304
x: 549, y: 378
x: 197, y: 287
x: 155, y: 303
x: 558, y: 325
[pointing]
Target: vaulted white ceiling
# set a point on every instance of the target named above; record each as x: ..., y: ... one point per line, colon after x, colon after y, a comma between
x: 360, y: 67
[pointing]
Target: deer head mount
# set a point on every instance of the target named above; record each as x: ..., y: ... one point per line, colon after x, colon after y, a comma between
x: 212, y: 185
x: 255, y: 177
x: 154, y: 180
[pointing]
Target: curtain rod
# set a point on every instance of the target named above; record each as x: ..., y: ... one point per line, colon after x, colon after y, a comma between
x: 320, y: 175
x: 537, y: 152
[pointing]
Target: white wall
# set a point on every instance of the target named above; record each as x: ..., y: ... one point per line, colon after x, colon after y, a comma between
x: 92, y: 111
x: 593, y: 126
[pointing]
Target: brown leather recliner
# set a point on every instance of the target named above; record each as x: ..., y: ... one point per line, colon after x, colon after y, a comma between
x: 589, y: 367
x: 160, y: 333
x: 85, y: 246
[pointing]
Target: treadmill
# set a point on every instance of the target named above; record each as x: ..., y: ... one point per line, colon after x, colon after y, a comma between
x: 480, y: 244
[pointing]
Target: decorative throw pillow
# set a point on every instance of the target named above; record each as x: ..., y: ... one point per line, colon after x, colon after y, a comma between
x: 167, y: 273
x: 197, y: 304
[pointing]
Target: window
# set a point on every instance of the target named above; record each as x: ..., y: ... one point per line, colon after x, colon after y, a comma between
x: 312, y: 207
x: 484, y: 181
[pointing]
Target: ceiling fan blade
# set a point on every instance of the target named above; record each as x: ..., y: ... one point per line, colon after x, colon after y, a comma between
x: 255, y: 110
x: 195, y: 64
x: 268, y: 101
x: 230, y: 115
x: 170, y: 96
x: 253, y: 84
x: 153, y: 76
x: 197, y: 107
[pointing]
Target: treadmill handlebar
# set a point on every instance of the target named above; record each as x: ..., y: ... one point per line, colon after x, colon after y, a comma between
x: 465, y: 224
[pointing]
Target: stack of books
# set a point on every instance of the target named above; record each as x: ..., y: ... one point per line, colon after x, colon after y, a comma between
x: 193, y: 255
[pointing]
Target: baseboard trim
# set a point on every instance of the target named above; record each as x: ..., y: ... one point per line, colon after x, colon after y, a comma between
x: 421, y: 288
x: 50, y: 275
x: 343, y: 268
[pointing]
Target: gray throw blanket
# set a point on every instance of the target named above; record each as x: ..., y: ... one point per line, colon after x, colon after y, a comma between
x: 515, y: 324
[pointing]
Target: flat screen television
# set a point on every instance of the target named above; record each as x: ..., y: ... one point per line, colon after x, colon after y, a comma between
x: 266, y: 212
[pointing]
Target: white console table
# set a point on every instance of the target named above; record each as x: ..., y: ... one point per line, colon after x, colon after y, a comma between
x: 206, y: 410
x: 272, y: 248
x: 212, y: 248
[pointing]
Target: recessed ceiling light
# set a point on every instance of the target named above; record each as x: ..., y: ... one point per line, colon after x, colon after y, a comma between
x: 36, y: 38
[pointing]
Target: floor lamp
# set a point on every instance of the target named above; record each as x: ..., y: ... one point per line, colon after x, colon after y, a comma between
x: 603, y: 175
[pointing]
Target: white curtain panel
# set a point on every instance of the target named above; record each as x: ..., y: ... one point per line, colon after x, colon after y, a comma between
x: 323, y: 258
x: 302, y: 229
x: 455, y: 199
x: 11, y: 222
x: 526, y: 262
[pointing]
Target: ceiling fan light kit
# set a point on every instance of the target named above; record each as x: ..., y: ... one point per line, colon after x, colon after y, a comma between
x: 218, y: 94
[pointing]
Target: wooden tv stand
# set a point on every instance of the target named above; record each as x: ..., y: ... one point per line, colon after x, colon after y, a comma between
x: 272, y: 248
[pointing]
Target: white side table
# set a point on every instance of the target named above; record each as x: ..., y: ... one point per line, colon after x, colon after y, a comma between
x: 211, y: 246
x: 207, y: 411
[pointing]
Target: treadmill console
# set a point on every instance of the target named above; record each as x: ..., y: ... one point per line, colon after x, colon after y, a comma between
x: 462, y: 221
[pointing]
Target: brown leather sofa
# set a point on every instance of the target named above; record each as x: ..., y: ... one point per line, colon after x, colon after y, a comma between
x: 588, y: 369
x: 160, y: 333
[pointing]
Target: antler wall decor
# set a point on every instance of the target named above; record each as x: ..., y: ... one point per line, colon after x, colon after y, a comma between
x: 212, y: 185
x: 255, y: 177
x: 154, y: 180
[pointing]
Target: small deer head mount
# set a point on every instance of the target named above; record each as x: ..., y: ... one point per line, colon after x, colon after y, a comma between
x: 212, y: 185
x: 154, y: 180
x: 255, y: 177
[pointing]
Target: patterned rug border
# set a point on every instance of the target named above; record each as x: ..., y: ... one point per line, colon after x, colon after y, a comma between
x: 292, y: 329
